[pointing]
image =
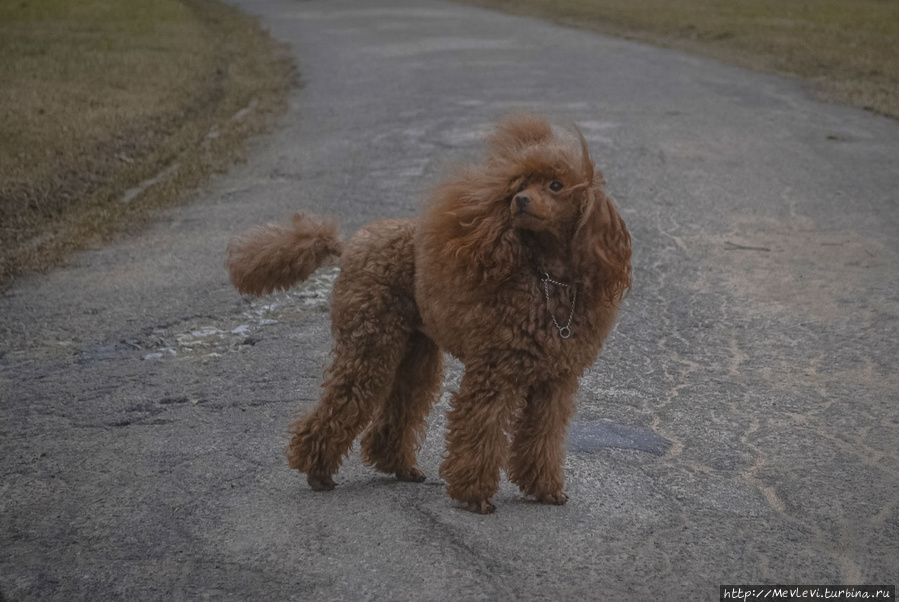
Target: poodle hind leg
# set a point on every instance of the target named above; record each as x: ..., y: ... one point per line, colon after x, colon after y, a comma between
x: 538, y: 443
x: 393, y: 439
x: 373, y: 315
x: 353, y: 388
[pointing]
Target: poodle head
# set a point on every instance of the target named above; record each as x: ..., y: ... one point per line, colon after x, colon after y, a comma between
x: 549, y: 176
x: 537, y: 183
x: 554, y: 188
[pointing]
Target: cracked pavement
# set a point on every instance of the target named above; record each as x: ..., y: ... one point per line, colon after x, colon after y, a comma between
x: 741, y: 425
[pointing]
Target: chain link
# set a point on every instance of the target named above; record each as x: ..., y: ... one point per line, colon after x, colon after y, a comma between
x: 564, y: 331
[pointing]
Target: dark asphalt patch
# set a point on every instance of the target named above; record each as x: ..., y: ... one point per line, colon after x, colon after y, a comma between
x: 593, y: 436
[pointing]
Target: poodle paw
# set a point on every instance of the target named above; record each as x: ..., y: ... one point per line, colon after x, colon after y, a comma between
x: 320, y: 482
x: 482, y: 507
x: 410, y: 475
x: 556, y: 499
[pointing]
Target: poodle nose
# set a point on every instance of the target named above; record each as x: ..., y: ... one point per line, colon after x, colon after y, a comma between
x: 522, y: 201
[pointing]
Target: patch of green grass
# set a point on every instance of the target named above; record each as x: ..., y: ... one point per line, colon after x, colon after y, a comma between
x: 849, y: 48
x: 100, y: 95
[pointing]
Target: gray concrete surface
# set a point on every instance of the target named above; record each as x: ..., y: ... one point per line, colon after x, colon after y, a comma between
x: 740, y: 427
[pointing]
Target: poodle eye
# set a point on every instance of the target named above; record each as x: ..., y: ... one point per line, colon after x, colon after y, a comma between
x: 520, y: 188
x: 556, y: 186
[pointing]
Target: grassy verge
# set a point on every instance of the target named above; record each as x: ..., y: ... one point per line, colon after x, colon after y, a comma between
x: 100, y: 97
x: 849, y: 48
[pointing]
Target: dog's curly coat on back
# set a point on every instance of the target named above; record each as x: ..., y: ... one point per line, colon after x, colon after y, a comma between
x: 517, y: 267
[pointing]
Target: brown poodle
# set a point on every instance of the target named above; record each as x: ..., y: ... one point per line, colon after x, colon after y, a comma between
x: 517, y: 267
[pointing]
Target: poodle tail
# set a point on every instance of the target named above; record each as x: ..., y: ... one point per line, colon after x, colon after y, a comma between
x: 277, y: 256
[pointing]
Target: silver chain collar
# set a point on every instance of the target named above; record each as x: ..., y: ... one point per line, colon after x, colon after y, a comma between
x: 564, y: 331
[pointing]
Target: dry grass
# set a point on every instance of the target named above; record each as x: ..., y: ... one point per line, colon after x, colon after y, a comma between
x: 849, y: 48
x: 101, y: 95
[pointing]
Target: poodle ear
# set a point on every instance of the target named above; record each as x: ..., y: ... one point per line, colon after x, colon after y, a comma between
x: 468, y: 220
x: 603, y: 242
x: 517, y: 131
x: 496, y: 251
x: 601, y: 238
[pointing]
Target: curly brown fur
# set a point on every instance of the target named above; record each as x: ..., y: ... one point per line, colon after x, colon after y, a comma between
x: 277, y: 256
x: 467, y: 278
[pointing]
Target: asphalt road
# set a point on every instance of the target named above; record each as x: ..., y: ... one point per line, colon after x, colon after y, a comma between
x: 741, y: 425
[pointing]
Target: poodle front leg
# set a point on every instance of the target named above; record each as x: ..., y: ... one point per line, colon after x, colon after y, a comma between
x: 476, y: 445
x: 538, y: 443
